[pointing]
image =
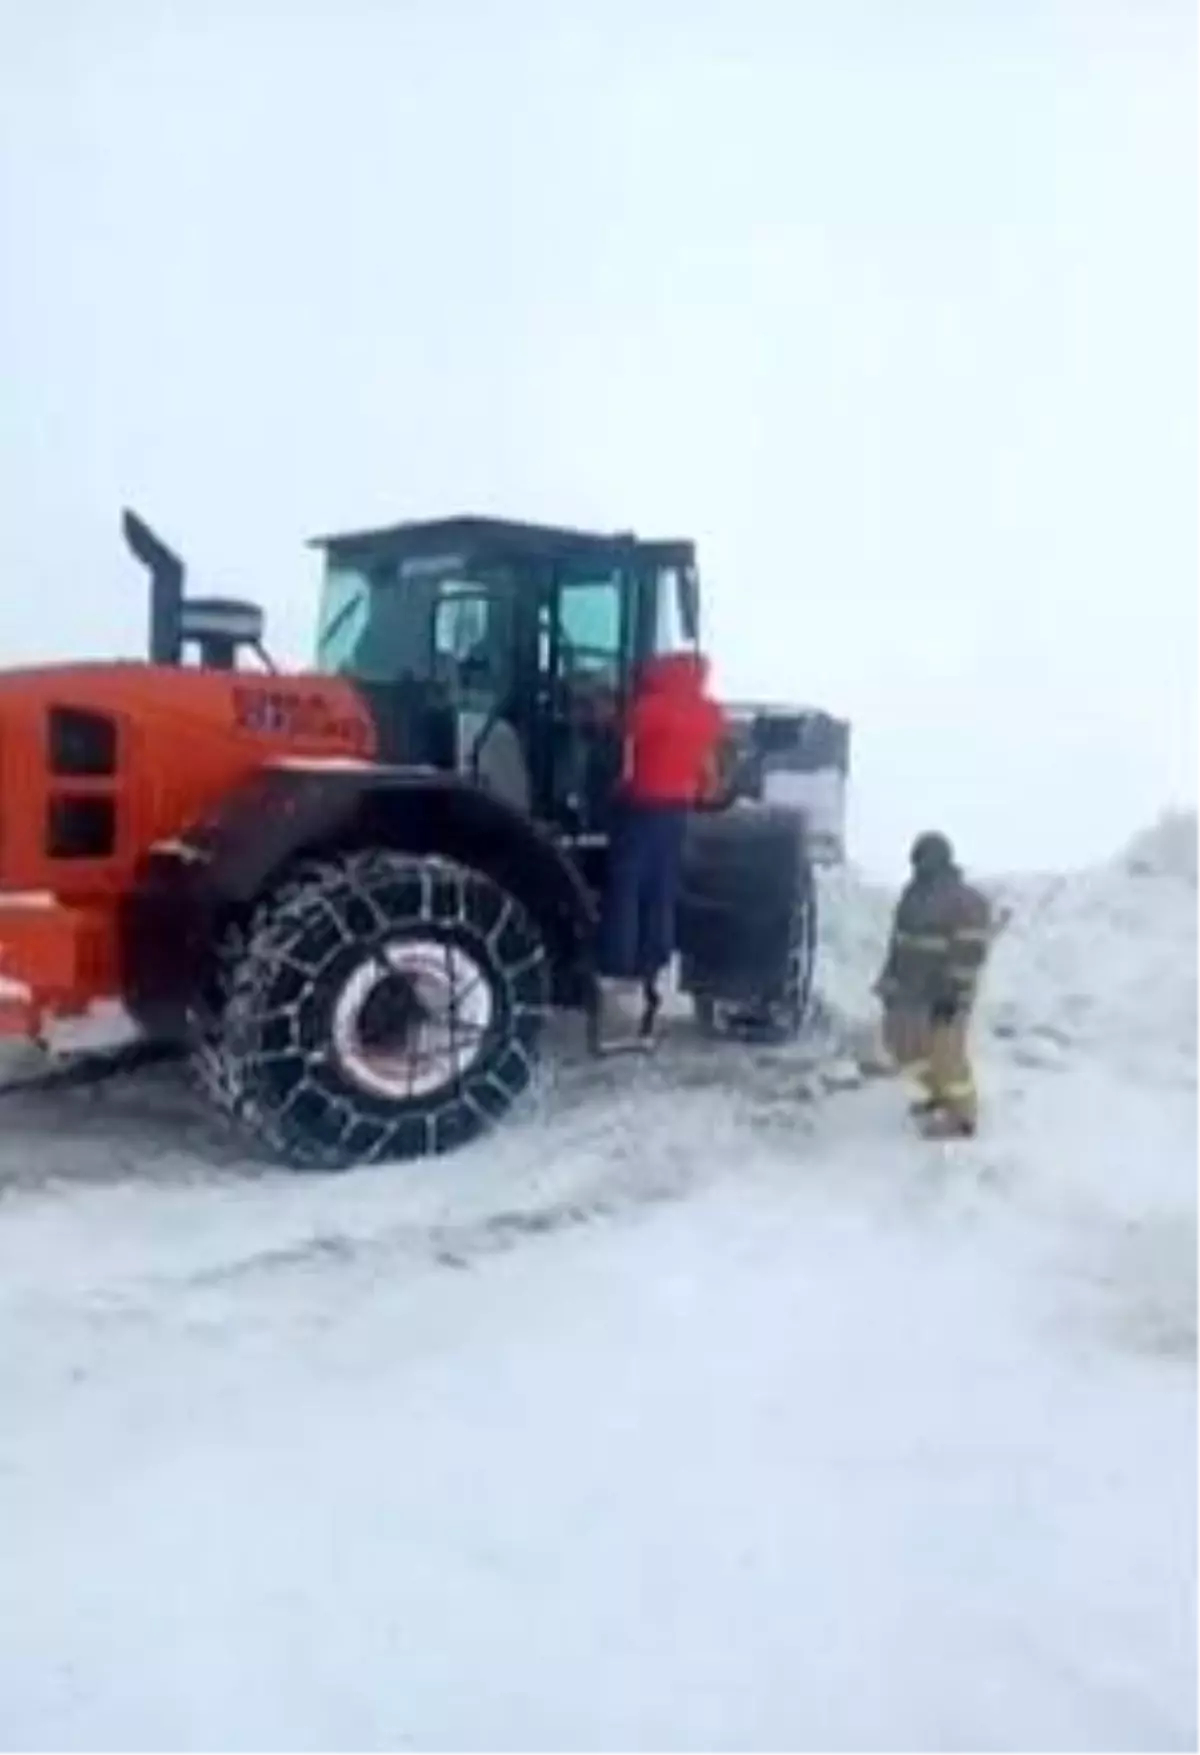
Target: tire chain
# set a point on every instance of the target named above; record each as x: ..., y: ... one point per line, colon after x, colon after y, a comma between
x: 254, y: 954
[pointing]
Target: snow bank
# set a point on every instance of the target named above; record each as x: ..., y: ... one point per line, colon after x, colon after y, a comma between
x: 855, y: 916
x: 1086, y: 1048
x: 1105, y: 962
x: 1101, y: 962
x: 1169, y: 848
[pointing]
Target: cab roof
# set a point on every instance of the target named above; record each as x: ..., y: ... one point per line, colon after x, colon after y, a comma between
x: 470, y: 534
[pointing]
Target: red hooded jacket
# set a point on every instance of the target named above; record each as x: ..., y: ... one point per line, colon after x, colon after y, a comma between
x: 674, y: 731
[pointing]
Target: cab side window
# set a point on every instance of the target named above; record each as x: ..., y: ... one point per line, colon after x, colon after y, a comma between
x: 589, y: 628
x: 472, y: 638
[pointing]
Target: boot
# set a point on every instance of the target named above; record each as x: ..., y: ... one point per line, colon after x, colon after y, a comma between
x: 651, y: 1006
x: 611, y: 1029
x: 947, y: 1124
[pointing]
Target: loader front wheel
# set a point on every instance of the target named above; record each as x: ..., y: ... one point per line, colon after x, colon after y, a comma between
x: 387, y: 1007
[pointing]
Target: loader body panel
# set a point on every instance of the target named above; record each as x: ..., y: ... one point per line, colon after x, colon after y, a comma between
x: 100, y: 763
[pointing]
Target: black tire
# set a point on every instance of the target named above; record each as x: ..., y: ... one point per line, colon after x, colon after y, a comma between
x: 779, y: 1016
x: 802, y: 960
x: 290, y: 1070
x: 213, y: 1070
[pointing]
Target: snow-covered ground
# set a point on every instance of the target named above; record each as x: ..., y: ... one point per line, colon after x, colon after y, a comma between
x: 707, y: 1408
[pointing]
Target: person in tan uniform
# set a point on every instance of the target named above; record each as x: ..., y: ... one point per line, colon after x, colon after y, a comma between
x: 941, y: 935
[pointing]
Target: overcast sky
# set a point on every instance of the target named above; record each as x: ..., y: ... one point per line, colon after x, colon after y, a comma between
x: 891, y: 305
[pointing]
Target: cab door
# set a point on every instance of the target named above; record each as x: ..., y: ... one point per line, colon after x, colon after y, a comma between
x: 586, y: 638
x: 476, y: 660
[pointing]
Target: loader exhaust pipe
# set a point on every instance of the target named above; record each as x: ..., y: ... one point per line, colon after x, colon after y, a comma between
x: 217, y: 628
x: 166, y: 588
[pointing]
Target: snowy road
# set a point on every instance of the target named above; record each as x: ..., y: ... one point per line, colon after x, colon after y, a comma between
x: 856, y: 1445
x: 685, y: 1415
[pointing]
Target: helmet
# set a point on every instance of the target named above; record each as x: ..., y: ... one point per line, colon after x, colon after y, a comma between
x: 931, y: 852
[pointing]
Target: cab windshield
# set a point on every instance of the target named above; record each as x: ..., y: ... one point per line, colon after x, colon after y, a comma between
x: 421, y: 621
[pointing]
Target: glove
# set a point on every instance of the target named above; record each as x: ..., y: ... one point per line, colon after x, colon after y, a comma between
x: 945, y: 1008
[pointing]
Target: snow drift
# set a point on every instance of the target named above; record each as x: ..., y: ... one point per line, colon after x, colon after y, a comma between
x: 1101, y: 961
x: 1105, y: 962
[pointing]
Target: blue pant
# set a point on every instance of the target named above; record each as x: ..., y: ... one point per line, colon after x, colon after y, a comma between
x: 645, y: 869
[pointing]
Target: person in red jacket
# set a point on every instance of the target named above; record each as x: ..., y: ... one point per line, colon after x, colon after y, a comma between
x: 672, y: 737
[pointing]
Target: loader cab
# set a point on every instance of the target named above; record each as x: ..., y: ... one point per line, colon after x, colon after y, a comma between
x: 506, y: 650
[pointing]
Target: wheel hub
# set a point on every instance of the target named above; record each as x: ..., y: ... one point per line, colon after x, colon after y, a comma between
x: 412, y: 1018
